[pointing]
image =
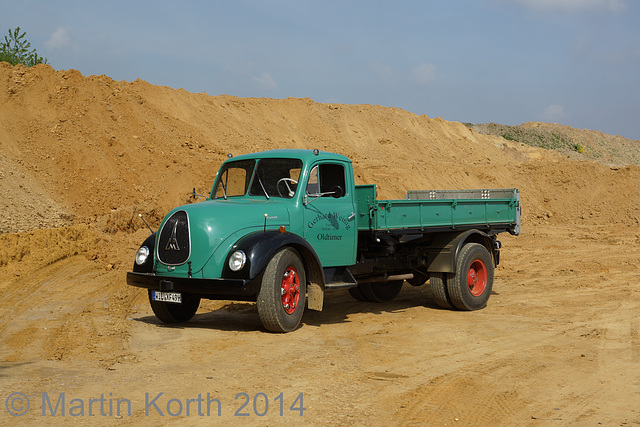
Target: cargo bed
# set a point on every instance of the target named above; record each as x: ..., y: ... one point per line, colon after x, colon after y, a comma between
x: 485, y: 209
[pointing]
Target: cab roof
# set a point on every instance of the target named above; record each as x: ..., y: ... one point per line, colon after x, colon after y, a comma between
x: 304, y: 155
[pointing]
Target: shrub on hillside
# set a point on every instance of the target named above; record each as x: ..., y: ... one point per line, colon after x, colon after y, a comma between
x: 15, y: 49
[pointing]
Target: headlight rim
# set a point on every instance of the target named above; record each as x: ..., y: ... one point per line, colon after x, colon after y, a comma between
x: 142, y: 254
x: 236, y: 256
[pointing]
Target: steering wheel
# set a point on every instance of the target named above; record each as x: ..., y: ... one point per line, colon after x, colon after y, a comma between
x: 286, y: 183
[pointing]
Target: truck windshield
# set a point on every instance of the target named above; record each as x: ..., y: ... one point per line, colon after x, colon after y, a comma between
x: 264, y: 177
x: 233, y: 179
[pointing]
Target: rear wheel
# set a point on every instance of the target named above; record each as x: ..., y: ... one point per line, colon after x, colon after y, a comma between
x: 355, y: 292
x: 438, y: 283
x: 283, y: 292
x: 470, y: 287
x: 381, y: 292
x: 170, y: 312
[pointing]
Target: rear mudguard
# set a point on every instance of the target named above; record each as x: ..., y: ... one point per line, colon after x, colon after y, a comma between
x: 446, y: 247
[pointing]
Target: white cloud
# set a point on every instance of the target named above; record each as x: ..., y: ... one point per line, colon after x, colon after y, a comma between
x: 265, y: 81
x: 553, y: 113
x: 425, y: 74
x: 574, y: 5
x: 59, y: 38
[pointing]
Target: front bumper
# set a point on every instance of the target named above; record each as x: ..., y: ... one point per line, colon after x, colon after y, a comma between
x: 206, y: 288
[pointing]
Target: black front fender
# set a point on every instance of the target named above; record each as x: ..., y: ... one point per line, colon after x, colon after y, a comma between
x: 147, y: 267
x: 259, y: 247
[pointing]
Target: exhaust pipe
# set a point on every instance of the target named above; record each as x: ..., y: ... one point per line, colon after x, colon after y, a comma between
x: 391, y: 278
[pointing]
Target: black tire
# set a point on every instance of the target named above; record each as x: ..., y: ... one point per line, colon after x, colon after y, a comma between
x: 277, y: 307
x: 170, y: 312
x: 355, y: 292
x: 438, y: 283
x: 470, y: 287
x: 381, y: 292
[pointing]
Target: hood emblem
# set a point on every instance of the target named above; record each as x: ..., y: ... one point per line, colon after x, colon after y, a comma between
x: 172, y: 244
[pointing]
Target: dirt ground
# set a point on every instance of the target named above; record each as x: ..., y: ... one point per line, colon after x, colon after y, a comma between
x: 80, y: 157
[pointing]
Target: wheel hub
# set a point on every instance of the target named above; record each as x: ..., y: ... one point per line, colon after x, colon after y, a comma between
x: 477, y: 278
x: 290, y: 290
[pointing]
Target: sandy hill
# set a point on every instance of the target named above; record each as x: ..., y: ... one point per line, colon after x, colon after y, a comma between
x: 92, y: 151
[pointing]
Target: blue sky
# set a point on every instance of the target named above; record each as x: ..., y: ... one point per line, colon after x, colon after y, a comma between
x: 574, y: 62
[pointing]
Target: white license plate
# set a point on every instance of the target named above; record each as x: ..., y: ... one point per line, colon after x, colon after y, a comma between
x: 167, y: 296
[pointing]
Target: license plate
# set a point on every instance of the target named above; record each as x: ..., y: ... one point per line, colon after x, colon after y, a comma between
x: 167, y: 296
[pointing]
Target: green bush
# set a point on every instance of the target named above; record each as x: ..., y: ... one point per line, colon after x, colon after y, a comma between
x: 15, y: 50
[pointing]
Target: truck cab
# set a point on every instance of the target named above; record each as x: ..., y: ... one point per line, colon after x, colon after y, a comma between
x: 316, y: 190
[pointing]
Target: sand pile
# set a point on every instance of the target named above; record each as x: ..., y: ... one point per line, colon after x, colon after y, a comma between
x: 76, y: 148
x: 90, y: 150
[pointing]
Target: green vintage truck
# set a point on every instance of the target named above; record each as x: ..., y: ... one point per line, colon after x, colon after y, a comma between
x: 281, y: 227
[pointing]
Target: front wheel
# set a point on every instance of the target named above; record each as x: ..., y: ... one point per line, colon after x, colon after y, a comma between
x: 283, y: 292
x: 170, y: 312
x: 470, y: 287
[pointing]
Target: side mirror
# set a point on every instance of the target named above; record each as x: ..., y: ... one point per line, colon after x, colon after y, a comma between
x: 337, y: 191
x: 193, y: 195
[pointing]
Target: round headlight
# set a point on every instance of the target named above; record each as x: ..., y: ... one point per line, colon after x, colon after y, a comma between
x: 237, y: 260
x: 142, y: 255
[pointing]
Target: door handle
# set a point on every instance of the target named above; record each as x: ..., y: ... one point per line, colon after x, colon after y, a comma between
x: 353, y: 215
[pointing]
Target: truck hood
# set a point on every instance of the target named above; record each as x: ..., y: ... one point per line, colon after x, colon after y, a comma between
x: 190, y: 234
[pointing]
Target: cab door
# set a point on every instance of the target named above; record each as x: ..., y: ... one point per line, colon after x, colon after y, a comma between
x: 329, y: 214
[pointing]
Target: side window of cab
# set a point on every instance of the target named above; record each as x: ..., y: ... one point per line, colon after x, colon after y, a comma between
x: 328, y: 180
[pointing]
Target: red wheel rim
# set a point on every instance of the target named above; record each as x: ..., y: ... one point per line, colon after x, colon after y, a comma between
x: 477, y: 278
x: 290, y: 289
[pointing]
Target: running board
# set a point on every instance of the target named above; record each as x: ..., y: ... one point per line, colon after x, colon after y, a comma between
x: 338, y: 278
